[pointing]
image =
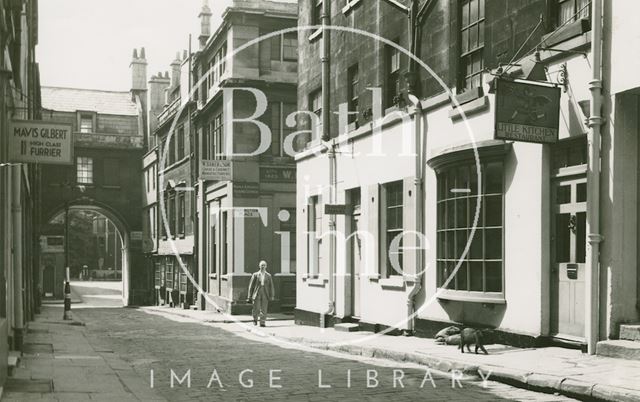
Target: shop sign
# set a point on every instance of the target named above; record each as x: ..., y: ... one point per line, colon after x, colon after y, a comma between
x: 336, y: 209
x: 277, y: 174
x: 527, y: 111
x: 37, y: 141
x: 216, y: 170
x: 245, y: 189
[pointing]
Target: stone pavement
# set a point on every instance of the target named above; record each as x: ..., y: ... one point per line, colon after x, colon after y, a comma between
x: 59, y: 364
x: 551, y: 369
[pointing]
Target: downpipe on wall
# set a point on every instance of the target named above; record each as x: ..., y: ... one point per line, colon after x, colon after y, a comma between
x: 326, y: 136
x: 594, y: 238
x: 420, y: 142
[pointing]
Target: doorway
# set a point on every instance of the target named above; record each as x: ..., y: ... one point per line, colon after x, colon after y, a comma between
x: 568, y: 245
x: 355, y: 251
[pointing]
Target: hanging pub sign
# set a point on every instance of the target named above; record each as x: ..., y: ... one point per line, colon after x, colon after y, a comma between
x: 527, y: 111
x: 36, y: 141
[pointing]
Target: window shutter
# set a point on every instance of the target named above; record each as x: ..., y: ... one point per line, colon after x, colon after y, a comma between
x: 409, y: 211
x: 370, y: 206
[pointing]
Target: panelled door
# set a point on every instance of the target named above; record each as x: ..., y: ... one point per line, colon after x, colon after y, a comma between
x: 356, y: 260
x: 568, y: 245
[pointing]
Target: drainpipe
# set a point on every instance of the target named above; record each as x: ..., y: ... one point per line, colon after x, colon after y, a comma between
x: 16, y: 212
x: 420, y: 148
x: 326, y: 136
x: 593, y: 184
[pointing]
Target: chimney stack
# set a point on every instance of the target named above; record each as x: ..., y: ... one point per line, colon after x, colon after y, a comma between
x: 138, y: 68
x: 205, y: 23
x: 175, y: 71
x: 156, y: 99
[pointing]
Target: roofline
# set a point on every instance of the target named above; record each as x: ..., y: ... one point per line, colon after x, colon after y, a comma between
x: 225, y: 23
x: 86, y: 89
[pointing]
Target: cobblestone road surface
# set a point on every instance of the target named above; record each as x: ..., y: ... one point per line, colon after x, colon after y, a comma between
x: 215, y: 356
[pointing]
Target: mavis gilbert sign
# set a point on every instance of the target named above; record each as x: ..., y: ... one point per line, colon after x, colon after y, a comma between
x: 36, y: 141
x: 527, y: 111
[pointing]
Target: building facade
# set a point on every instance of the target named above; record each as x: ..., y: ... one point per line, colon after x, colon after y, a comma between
x: 19, y: 249
x: 108, y: 132
x: 445, y: 223
x: 241, y: 216
x: 175, y: 200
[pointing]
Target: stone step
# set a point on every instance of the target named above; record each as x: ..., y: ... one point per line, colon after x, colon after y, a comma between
x: 12, y: 361
x: 630, y: 332
x: 622, y: 349
x: 347, y: 327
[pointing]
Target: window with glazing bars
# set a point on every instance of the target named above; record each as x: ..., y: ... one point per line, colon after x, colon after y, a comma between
x: 84, y: 170
x: 481, y: 269
x: 471, y: 44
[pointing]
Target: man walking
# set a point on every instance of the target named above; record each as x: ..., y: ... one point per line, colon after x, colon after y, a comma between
x: 260, y: 292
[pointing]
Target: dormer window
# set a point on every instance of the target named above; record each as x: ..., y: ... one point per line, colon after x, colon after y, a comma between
x: 86, y: 123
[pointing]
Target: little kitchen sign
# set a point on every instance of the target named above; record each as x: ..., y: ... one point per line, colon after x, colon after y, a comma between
x: 36, y: 141
x: 527, y: 111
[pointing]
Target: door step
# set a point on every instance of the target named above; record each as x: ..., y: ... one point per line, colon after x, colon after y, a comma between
x: 630, y: 332
x: 12, y: 361
x: 622, y: 349
x: 347, y: 327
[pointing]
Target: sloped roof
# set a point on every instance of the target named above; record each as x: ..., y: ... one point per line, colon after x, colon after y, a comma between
x: 93, y: 100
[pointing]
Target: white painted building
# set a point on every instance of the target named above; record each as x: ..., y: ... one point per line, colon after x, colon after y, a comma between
x: 525, y: 270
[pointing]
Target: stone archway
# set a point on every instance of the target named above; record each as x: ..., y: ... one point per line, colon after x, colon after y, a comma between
x: 123, y: 231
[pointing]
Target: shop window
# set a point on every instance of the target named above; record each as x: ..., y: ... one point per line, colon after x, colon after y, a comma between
x: 481, y: 269
x: 471, y: 44
x: 169, y: 273
x: 159, y: 275
x: 224, y: 243
x: 84, y: 170
x: 391, y: 215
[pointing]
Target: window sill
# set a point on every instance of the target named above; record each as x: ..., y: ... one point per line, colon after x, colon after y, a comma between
x: 469, y: 108
x: 467, y: 96
x: 472, y: 297
x: 372, y: 277
x: 395, y: 282
x: 315, y: 280
x: 567, y: 32
x: 315, y: 35
x: 213, y: 276
x: 350, y: 6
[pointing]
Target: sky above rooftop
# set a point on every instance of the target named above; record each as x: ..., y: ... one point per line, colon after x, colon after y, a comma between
x: 89, y: 43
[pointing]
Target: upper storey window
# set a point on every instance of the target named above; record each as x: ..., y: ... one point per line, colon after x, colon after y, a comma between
x: 471, y: 43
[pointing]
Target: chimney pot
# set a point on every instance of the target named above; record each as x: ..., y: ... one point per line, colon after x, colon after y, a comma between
x: 135, y: 53
x: 142, y: 55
